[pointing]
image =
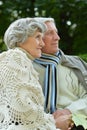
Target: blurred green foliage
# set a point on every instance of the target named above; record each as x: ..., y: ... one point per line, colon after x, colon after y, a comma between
x: 83, y: 56
x: 70, y: 17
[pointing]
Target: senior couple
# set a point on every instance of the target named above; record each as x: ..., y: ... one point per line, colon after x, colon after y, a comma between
x: 39, y: 91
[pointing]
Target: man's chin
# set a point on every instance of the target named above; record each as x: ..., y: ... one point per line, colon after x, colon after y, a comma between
x: 55, y: 50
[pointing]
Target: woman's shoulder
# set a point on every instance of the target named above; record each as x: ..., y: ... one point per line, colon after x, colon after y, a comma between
x: 14, y: 57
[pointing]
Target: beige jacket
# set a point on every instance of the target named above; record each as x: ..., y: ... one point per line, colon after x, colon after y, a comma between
x: 72, y: 83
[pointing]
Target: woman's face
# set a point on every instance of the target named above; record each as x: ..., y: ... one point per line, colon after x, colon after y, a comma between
x: 34, y: 44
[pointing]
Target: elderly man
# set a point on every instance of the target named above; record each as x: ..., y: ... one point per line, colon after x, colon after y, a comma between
x: 63, y: 78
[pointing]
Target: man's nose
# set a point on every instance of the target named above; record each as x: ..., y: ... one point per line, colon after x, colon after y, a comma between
x: 56, y: 36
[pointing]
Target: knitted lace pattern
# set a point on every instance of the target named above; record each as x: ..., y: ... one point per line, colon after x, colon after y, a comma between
x: 21, y: 97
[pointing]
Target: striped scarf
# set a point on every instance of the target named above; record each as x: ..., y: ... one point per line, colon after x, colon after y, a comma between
x: 50, y: 63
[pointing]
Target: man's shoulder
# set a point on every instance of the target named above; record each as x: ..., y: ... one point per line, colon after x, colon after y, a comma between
x: 37, y: 65
x: 76, y: 59
x: 39, y: 68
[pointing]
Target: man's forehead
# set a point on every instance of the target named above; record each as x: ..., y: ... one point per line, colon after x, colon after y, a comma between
x: 51, y: 29
x: 51, y: 26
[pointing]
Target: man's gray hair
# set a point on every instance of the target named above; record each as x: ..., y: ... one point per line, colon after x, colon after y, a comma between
x: 44, y: 19
x: 21, y: 29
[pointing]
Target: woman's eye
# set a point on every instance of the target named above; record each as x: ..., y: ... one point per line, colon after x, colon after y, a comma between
x: 38, y: 36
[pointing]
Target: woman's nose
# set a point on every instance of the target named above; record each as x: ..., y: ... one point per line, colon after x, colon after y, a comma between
x: 42, y: 43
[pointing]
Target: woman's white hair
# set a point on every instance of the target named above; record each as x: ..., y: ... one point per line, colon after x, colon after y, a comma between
x: 21, y: 29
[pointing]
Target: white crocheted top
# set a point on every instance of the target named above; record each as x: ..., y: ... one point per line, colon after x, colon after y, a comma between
x: 21, y: 97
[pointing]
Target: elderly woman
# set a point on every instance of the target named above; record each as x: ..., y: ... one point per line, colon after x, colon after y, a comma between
x: 21, y: 97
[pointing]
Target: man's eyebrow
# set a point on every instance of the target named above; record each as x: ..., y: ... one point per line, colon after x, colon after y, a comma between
x: 52, y: 30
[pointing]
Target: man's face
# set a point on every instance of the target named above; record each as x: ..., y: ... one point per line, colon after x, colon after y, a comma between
x: 51, y: 39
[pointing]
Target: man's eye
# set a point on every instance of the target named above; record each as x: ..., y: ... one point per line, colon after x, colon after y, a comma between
x: 48, y: 33
x: 57, y: 33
